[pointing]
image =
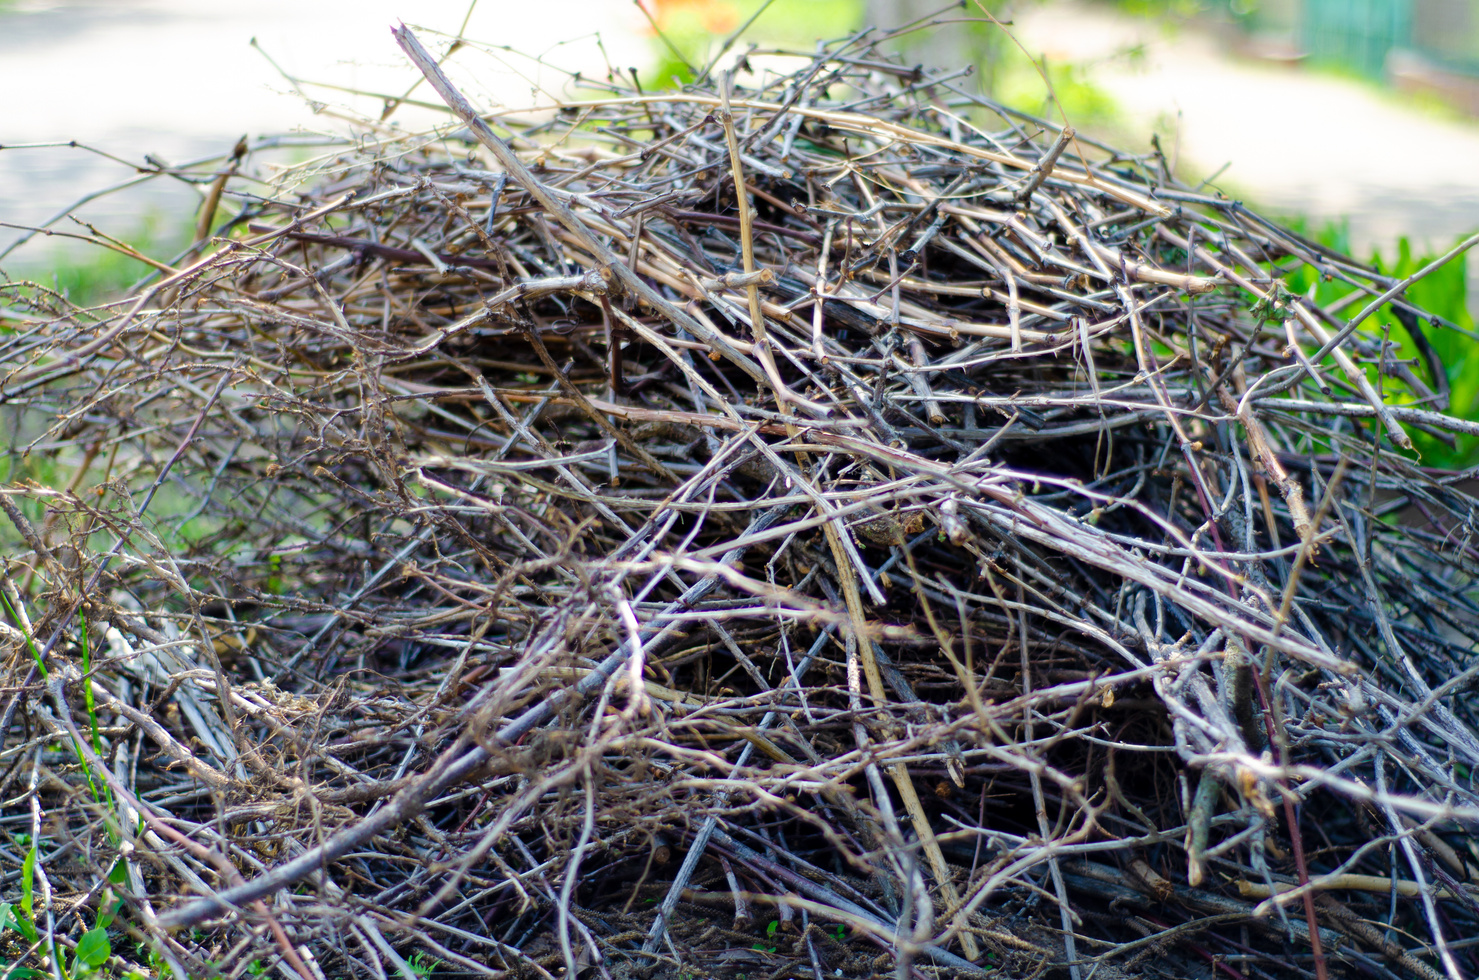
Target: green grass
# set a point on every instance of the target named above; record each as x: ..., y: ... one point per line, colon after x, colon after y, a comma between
x: 105, y: 795
x: 802, y: 21
x: 89, y: 274
x: 1179, y: 9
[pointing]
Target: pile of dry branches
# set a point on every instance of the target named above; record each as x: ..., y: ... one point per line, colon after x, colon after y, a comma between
x: 510, y: 551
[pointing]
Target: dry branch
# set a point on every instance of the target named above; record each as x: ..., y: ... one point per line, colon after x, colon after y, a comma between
x: 820, y: 475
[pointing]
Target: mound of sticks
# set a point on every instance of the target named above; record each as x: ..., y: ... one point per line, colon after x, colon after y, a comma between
x: 813, y: 523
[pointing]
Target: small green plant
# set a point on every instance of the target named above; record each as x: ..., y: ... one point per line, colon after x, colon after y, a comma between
x: 23, y: 924
x: 93, y: 948
x: 770, y: 931
x: 93, y: 951
x: 423, y: 965
x: 87, y: 772
x: 92, y: 715
x: 159, y: 964
x: 109, y: 904
x: 28, y: 886
x: 1274, y: 306
x: 20, y: 923
x: 92, y: 711
x: 30, y: 643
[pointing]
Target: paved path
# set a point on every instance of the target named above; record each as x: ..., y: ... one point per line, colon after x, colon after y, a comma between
x: 179, y: 78
x: 1298, y: 141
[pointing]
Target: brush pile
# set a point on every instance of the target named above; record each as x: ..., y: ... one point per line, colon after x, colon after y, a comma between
x: 507, y: 551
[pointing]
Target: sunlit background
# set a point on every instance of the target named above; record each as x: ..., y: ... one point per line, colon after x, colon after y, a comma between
x: 1354, y: 119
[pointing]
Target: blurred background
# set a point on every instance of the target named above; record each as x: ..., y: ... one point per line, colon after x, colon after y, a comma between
x: 1353, y: 119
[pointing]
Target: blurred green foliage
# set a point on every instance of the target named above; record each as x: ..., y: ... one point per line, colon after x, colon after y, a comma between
x: 90, y: 274
x: 691, y: 31
x: 1443, y: 293
x: 1032, y: 87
